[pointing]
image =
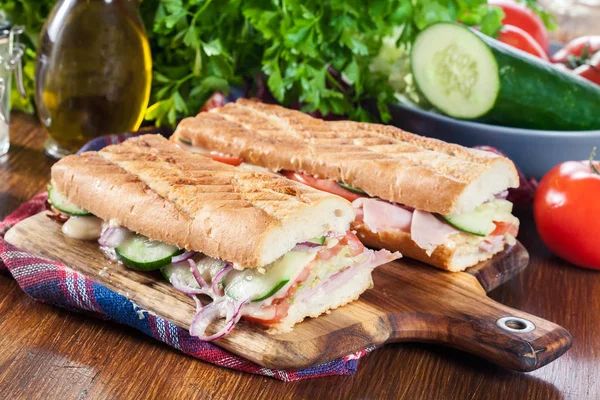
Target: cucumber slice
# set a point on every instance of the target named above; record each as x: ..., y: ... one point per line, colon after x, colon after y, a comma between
x: 60, y: 202
x: 249, y: 283
x: 351, y: 188
x: 273, y: 290
x: 139, y: 252
x: 182, y: 270
x: 320, y: 240
x: 481, y: 221
x: 455, y: 70
x: 469, y: 75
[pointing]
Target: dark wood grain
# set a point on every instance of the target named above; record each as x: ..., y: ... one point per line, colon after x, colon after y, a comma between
x: 411, y: 302
x: 492, y: 273
x: 46, y: 352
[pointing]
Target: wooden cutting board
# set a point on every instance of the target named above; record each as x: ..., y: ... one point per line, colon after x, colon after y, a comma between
x: 411, y: 302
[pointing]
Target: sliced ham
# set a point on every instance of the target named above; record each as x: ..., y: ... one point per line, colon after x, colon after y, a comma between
x: 428, y: 232
x: 381, y: 216
x: 373, y: 259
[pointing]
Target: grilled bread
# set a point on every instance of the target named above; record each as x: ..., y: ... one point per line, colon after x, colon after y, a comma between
x: 384, y: 161
x: 154, y: 188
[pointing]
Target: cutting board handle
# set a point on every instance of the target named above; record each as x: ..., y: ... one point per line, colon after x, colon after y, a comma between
x: 500, y: 334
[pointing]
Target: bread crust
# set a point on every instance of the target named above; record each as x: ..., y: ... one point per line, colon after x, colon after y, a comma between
x: 384, y: 161
x: 153, y: 187
x: 443, y: 257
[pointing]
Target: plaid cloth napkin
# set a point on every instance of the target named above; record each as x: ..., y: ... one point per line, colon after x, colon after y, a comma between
x: 55, y: 283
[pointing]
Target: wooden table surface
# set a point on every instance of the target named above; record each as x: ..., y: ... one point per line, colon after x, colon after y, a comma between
x: 49, y: 353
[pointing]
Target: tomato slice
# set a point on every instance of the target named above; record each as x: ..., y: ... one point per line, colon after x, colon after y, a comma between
x: 281, y: 311
x: 354, y: 243
x: 518, y: 38
x: 226, y: 158
x: 325, y: 185
x: 505, y: 227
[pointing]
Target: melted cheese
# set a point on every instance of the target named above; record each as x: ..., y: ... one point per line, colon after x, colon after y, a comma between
x: 83, y: 228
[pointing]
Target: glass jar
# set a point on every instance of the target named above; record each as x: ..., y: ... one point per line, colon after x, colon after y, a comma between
x: 93, y: 72
x: 11, y: 53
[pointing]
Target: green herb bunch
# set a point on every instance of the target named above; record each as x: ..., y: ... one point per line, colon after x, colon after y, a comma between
x: 314, y: 54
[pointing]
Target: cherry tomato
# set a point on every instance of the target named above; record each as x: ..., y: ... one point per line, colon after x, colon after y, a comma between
x: 326, y: 185
x: 518, y: 38
x: 566, y: 210
x: 517, y: 14
x: 575, y: 48
x: 505, y: 227
x: 226, y: 158
x: 590, y: 70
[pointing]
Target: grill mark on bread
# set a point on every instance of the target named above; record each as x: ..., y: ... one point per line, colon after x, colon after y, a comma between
x: 157, y: 189
x: 353, y: 134
x: 384, y: 161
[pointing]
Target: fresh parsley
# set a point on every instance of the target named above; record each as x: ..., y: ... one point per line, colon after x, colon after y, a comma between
x: 314, y: 54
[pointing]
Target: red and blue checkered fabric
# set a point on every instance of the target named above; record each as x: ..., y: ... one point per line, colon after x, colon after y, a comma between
x: 55, y: 283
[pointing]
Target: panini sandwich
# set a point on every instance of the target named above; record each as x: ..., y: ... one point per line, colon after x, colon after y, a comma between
x: 244, y: 244
x: 440, y: 203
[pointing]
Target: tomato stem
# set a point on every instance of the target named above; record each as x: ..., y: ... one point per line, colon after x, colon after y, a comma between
x: 592, y: 155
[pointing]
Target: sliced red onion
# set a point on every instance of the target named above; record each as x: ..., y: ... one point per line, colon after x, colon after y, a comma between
x: 310, y: 249
x: 197, y: 275
x: 183, y: 288
x: 502, y: 195
x: 219, y: 278
x: 109, y: 253
x: 112, y: 237
x: 231, y: 310
x: 199, y: 305
x: 309, y: 244
x: 186, y: 255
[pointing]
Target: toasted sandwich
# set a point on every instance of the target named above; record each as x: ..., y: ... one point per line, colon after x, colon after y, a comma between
x: 244, y: 244
x: 440, y: 203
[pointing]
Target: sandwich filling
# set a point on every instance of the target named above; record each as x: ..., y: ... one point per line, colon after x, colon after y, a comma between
x: 489, y: 225
x: 224, y: 292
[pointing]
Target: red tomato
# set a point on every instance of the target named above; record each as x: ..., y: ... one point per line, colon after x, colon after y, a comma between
x: 354, y: 243
x: 591, y: 70
x: 226, y: 158
x: 328, y: 254
x: 518, y: 38
x: 280, y: 311
x: 566, y: 210
x: 326, y: 185
x: 505, y: 227
x: 575, y: 48
x: 517, y: 14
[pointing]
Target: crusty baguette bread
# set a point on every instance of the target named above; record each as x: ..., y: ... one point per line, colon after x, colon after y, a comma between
x: 459, y: 252
x: 153, y: 187
x: 384, y: 161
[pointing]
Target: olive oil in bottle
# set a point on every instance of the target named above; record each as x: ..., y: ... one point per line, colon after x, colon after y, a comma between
x: 93, y: 72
